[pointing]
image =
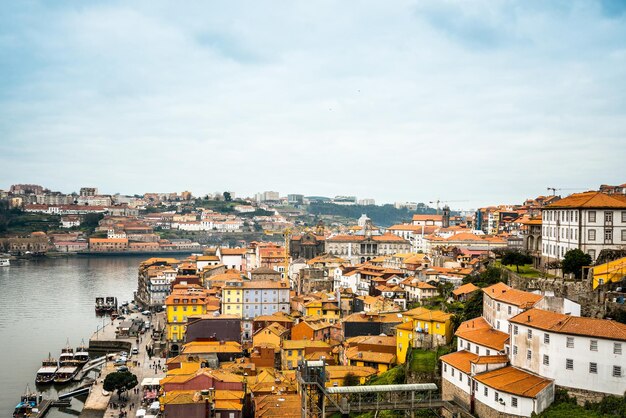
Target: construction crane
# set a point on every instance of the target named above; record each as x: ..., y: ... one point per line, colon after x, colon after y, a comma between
x: 554, y: 189
x: 437, y: 202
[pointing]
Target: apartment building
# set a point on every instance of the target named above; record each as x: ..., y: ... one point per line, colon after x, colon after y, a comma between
x: 590, y: 221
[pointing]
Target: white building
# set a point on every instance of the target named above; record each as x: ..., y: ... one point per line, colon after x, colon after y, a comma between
x: 577, y: 352
x: 590, y: 221
x: 501, y: 302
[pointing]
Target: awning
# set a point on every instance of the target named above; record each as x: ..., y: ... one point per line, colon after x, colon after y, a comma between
x: 151, y: 381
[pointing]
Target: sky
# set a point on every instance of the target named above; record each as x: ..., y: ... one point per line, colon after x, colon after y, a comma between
x: 483, y: 102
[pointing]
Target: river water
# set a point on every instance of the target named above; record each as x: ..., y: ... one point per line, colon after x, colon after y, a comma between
x: 43, y: 303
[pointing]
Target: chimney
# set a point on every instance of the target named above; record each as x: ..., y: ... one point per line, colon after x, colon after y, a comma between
x: 528, y: 318
x: 360, y: 355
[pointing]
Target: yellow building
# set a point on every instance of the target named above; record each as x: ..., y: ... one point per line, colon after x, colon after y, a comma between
x: 611, y: 272
x: 294, y: 351
x: 336, y: 375
x: 404, y: 340
x: 323, y: 309
x: 429, y: 328
x: 232, y: 298
x: 183, y: 302
x: 272, y: 335
x: 380, y: 361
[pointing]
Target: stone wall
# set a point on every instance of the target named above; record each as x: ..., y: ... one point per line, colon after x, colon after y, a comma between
x: 582, y: 395
x: 580, y: 291
x: 449, y: 392
x: 483, y: 411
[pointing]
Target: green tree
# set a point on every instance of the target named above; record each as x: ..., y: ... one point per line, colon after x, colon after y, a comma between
x: 350, y: 379
x: 120, y: 382
x: 227, y: 196
x: 574, y: 261
x: 90, y: 221
x: 516, y: 258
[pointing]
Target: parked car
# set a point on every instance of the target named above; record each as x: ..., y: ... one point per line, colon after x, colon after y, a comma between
x: 148, y: 313
x: 135, y: 350
x: 122, y: 369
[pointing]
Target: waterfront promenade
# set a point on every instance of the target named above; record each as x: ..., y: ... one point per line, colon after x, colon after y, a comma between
x: 99, y: 403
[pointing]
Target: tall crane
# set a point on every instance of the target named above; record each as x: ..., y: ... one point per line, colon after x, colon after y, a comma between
x: 554, y: 189
x: 437, y: 202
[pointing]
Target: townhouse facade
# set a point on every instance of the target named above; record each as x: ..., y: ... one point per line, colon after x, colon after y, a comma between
x: 590, y: 221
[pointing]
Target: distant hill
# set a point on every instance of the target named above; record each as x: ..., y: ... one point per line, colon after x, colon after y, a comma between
x: 385, y: 215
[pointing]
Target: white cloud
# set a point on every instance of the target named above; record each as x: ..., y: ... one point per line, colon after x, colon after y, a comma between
x: 398, y: 101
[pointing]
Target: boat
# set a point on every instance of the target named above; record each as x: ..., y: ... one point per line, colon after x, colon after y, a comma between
x: 81, y: 355
x: 4, y: 261
x: 110, y: 304
x: 45, y: 375
x: 65, y: 374
x: 100, y: 307
x: 28, y: 404
x: 67, y: 356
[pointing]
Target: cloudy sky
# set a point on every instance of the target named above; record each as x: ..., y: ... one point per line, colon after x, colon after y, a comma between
x: 481, y: 101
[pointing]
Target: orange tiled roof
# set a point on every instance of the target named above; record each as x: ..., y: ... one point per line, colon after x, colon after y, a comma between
x: 482, y: 335
x: 465, y: 289
x: 503, y: 293
x: 575, y: 325
x: 427, y: 217
x: 591, y: 199
x: 353, y: 353
x: 514, y: 381
x: 460, y: 360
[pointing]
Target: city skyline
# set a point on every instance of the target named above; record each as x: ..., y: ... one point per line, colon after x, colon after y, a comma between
x: 482, y: 102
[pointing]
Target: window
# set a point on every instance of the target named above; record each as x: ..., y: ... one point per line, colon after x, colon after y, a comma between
x: 546, y: 338
x: 477, y: 349
x: 452, y: 372
x: 515, y: 329
x: 592, y: 254
x: 569, y: 364
x: 591, y: 235
x: 445, y: 367
x: 593, y: 368
x: 591, y: 215
x: 496, y: 397
x: 593, y: 345
x: 460, y: 376
x: 486, y: 391
x: 509, y: 310
x: 513, y: 401
x: 608, y: 235
x: 546, y: 360
x: 608, y: 217
x: 570, y: 342
x: 488, y: 352
x: 530, y: 334
x: 529, y: 354
x: 617, y: 348
x: 623, y: 235
x: 514, y: 350
x: 617, y: 371
x: 498, y: 307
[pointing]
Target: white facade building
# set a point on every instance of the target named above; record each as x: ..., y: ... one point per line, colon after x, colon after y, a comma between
x: 590, y: 221
x: 577, y: 352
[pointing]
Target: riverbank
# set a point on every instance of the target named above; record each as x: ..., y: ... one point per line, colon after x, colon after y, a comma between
x: 101, y: 403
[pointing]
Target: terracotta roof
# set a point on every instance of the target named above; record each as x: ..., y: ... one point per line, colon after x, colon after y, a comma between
x: 300, y: 344
x: 460, y: 360
x: 353, y: 353
x: 503, y: 293
x: 339, y: 372
x: 590, y: 200
x: 428, y: 217
x: 233, y: 251
x: 465, y: 289
x: 574, y: 325
x: 482, y: 335
x: 514, y: 381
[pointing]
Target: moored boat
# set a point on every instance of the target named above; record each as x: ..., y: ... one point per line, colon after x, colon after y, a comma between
x: 81, y: 355
x: 45, y: 374
x: 110, y: 304
x: 67, y: 356
x: 28, y: 404
x: 4, y: 261
x: 65, y: 374
x: 100, y: 307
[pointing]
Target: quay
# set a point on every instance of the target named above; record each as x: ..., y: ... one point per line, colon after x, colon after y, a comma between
x: 98, y: 403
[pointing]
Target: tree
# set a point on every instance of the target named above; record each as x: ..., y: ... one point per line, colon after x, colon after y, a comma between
x: 120, y: 381
x: 350, y: 379
x: 515, y: 258
x: 227, y: 197
x: 91, y: 220
x: 574, y: 261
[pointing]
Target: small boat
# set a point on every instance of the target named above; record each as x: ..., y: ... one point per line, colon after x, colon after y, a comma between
x: 100, y: 307
x: 4, y: 262
x: 49, y: 367
x: 28, y: 404
x: 81, y: 355
x: 110, y: 304
x: 65, y: 374
x: 67, y: 356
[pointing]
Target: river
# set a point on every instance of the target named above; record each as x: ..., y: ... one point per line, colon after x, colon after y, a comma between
x: 43, y: 303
